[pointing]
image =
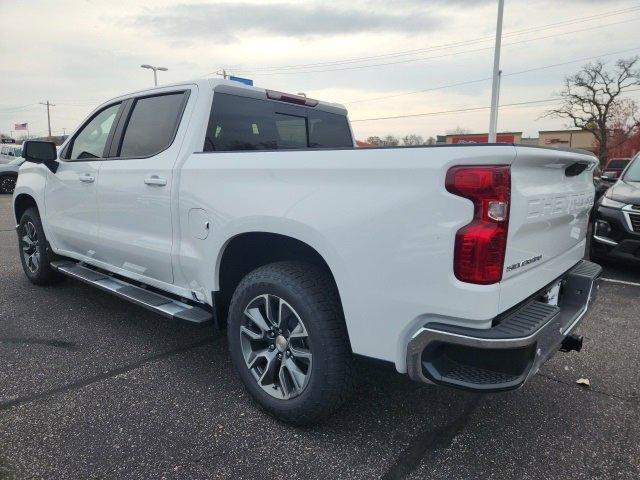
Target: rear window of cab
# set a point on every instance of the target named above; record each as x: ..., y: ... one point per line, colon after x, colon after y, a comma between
x: 243, y: 123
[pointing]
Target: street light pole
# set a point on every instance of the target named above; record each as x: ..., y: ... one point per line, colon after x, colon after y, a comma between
x: 155, y: 72
x: 495, y: 87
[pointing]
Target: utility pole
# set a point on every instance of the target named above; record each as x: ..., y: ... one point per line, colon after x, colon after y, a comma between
x: 495, y: 87
x: 222, y: 72
x: 49, y: 105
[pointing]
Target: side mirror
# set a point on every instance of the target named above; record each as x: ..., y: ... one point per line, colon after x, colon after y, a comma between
x: 36, y: 151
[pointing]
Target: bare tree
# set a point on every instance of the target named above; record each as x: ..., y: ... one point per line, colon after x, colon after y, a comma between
x: 388, y: 141
x: 459, y: 131
x: 593, y: 97
x: 412, y: 140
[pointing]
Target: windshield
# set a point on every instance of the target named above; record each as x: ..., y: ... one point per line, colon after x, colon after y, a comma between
x: 633, y: 172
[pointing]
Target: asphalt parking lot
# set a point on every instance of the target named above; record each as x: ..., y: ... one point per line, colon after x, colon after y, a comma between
x: 94, y: 387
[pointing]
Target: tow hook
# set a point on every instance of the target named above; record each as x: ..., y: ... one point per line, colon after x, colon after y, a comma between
x: 571, y: 342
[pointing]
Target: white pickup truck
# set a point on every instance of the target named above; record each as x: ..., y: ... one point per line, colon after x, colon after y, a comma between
x: 214, y: 201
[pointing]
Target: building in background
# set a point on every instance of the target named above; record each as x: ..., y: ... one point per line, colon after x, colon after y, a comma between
x: 568, y: 139
x: 504, y: 137
x: 533, y: 141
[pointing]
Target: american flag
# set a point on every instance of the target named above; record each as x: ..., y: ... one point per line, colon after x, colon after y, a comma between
x: 20, y: 126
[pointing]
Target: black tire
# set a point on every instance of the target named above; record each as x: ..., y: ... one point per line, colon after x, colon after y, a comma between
x: 8, y: 183
x: 32, y: 240
x: 311, y: 292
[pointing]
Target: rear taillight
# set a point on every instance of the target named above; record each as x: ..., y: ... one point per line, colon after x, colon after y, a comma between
x: 480, y: 245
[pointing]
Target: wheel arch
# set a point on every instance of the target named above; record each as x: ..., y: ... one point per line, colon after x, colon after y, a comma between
x: 21, y: 203
x: 249, y: 250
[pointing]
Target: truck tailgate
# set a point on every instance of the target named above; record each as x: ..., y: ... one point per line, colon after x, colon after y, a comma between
x: 551, y: 198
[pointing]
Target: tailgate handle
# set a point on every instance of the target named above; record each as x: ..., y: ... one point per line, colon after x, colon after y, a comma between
x: 576, y: 169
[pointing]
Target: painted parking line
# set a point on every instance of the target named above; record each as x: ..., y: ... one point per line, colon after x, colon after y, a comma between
x: 623, y: 282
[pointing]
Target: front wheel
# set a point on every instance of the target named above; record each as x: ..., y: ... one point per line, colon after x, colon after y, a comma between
x: 35, y: 253
x: 289, y: 343
x: 8, y: 183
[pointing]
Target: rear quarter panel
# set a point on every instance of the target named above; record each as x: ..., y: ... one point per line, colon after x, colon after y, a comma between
x: 381, y: 218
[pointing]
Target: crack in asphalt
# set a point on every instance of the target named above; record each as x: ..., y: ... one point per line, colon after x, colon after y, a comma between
x: 631, y: 400
x: 6, y: 405
x: 41, y: 341
x: 428, y: 443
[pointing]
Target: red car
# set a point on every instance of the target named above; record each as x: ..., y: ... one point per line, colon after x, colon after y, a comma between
x: 614, y: 168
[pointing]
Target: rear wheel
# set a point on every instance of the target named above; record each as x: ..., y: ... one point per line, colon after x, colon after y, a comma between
x: 35, y: 253
x: 289, y: 343
x: 8, y: 183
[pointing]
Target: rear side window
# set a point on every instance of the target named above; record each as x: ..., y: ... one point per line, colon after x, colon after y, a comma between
x: 152, y: 125
x: 241, y: 123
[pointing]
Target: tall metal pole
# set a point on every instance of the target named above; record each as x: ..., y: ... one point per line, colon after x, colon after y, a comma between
x: 155, y: 72
x: 495, y: 87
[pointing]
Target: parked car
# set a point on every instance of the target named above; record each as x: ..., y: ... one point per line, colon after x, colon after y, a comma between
x: 616, y: 223
x: 9, y: 175
x: 614, y: 168
x: 460, y: 265
x: 9, y: 152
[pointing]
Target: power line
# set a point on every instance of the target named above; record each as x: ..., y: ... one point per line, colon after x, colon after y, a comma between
x: 441, y: 46
x: 420, y: 59
x: 21, y: 107
x: 467, y: 109
x: 442, y: 112
x: 479, y: 80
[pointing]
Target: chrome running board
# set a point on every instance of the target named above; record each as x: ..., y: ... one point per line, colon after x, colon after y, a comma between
x: 164, y: 305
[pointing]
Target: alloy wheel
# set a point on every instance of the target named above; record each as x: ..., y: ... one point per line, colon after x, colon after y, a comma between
x: 31, y: 247
x: 275, y: 346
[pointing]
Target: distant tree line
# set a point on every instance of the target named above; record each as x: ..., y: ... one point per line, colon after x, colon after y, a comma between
x: 394, y: 141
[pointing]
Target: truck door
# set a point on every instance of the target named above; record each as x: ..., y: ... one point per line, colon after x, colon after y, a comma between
x: 135, y: 185
x: 70, y: 195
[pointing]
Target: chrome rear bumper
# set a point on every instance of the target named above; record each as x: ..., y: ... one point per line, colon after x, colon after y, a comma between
x: 505, y: 356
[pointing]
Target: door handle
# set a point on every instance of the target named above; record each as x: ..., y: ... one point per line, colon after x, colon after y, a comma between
x: 155, y: 180
x: 87, y: 178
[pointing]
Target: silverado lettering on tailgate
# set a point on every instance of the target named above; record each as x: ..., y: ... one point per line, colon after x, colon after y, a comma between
x: 540, y: 207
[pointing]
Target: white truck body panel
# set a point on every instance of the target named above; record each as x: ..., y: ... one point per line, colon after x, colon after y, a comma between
x: 380, y: 218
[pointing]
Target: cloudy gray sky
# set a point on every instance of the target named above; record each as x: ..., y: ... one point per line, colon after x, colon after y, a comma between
x: 381, y: 58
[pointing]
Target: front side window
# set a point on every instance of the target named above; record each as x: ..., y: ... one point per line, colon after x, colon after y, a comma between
x: 152, y: 125
x: 92, y: 139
